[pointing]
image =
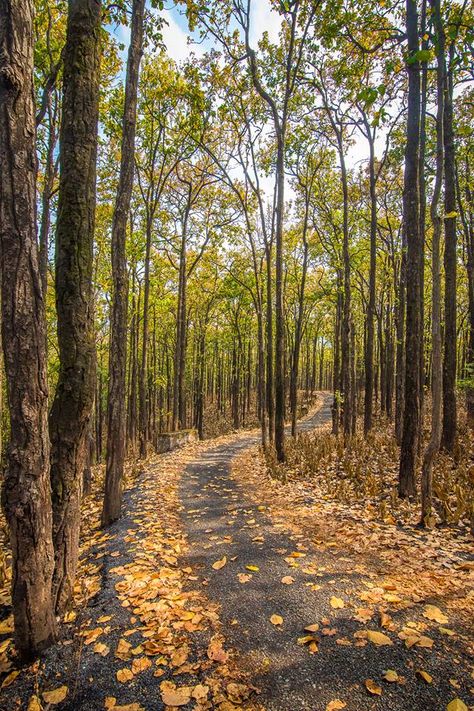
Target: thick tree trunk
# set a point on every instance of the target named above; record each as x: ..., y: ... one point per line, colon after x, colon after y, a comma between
x: 26, y: 494
x: 116, y: 406
x: 450, y: 296
x: 74, y: 395
x: 49, y: 176
x: 411, y: 214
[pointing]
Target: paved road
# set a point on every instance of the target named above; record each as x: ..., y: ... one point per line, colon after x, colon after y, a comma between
x: 222, y: 519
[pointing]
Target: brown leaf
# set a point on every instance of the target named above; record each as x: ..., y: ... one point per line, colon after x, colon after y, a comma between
x: 373, y: 688
x: 55, y: 696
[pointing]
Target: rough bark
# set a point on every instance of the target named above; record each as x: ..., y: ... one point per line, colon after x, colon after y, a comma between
x: 26, y: 495
x: 369, y: 349
x: 74, y: 395
x: 450, y: 334
x: 116, y: 406
x: 436, y: 367
x: 411, y: 214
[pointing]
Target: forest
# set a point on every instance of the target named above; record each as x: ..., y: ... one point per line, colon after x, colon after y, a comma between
x: 237, y: 368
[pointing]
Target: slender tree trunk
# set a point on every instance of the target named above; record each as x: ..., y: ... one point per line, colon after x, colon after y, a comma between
x: 270, y: 403
x: 450, y: 296
x: 369, y: 348
x: 142, y: 385
x: 116, y: 406
x: 74, y: 395
x: 26, y: 490
x: 436, y: 344
x: 279, y: 315
x: 411, y: 215
x: 299, y: 326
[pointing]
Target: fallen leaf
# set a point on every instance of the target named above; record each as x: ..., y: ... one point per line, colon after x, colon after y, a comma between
x: 55, y: 696
x: 456, y: 705
x: 372, y: 687
x: 141, y: 664
x: 200, y: 692
x: 124, y: 675
x: 215, y: 651
x: 336, y: 705
x: 311, y: 628
x: 244, y: 577
x: 100, y: 648
x: 253, y: 568
x: 378, y: 638
x: 276, y: 620
x: 431, y: 612
x: 336, y: 602
x: 287, y: 580
x: 220, y: 563
x: 173, y: 696
x: 424, y: 675
x: 391, y: 675
x: 9, y: 679
x: 34, y: 704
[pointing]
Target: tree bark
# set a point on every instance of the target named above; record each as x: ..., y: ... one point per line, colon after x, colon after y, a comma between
x: 26, y: 494
x: 116, y: 406
x: 369, y: 348
x: 411, y: 214
x: 74, y: 395
x: 436, y: 368
x: 448, y: 437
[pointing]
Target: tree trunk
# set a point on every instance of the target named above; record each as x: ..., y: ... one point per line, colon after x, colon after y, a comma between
x: 436, y: 378
x: 74, y: 395
x: 116, y: 406
x: 142, y: 384
x: 26, y: 494
x: 411, y: 214
x: 450, y: 297
x: 369, y: 348
x: 279, y: 315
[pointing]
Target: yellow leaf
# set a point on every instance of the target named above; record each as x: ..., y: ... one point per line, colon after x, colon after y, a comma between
x: 34, y: 704
x: 424, y: 675
x: 219, y: 563
x: 100, y: 648
x: 390, y: 675
x: 276, y: 620
x: 426, y: 642
x: 456, y: 705
x: 297, y: 554
x: 431, y: 612
x: 311, y: 628
x: 104, y: 618
x: 9, y: 679
x: 6, y: 626
x: 110, y: 702
x: 200, y: 692
x: 307, y: 639
x: 124, y: 675
x: 372, y: 687
x: 378, y: 638
x: 70, y: 616
x: 56, y: 695
x: 253, y: 568
x: 287, y: 580
x: 451, y: 214
x: 175, y: 697
x: 336, y: 705
x: 336, y: 602
x: 141, y: 664
x: 243, y: 577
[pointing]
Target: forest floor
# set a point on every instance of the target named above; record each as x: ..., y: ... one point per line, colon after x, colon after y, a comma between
x: 223, y: 589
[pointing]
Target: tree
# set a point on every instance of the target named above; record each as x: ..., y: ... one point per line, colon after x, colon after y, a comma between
x: 116, y: 407
x: 411, y: 215
x: 72, y: 405
x: 26, y: 494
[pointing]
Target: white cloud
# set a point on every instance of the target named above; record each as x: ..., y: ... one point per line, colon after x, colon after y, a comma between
x: 175, y: 39
x: 263, y: 19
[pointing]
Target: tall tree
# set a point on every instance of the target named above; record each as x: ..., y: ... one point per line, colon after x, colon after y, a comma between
x: 72, y: 405
x: 116, y: 407
x: 26, y: 494
x: 450, y: 262
x: 411, y: 214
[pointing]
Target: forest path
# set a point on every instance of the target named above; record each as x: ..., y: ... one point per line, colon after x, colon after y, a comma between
x: 221, y: 518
